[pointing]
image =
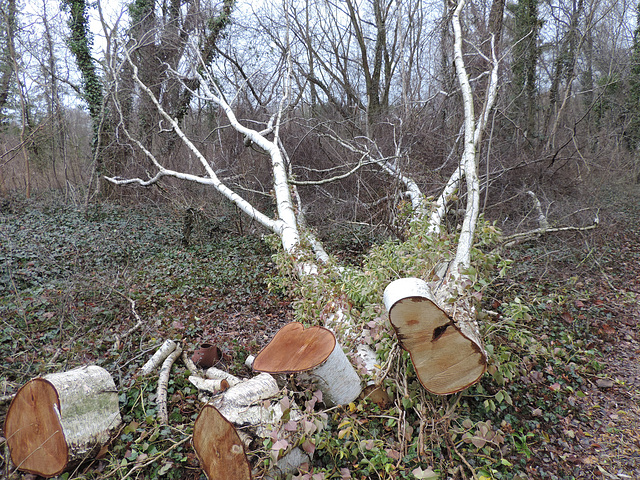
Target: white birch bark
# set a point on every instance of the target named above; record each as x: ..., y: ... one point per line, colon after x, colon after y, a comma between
x: 473, y: 131
x: 285, y: 226
x: 60, y: 419
x: 154, y: 362
x: 468, y: 161
x: 336, y: 378
x: 163, y: 382
x: 244, y: 403
x: 214, y: 373
x: 439, y: 208
x: 88, y: 407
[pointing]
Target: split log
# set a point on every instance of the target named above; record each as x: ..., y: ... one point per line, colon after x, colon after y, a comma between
x: 315, y: 355
x: 219, y: 448
x: 444, y: 342
x: 61, y: 419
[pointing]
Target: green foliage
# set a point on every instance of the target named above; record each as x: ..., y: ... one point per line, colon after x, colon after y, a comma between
x: 7, y: 62
x: 62, y: 267
x: 79, y: 43
x: 161, y: 451
x: 51, y: 242
x: 140, y: 9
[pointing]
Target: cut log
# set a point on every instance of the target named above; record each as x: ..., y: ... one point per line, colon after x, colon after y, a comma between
x: 295, y: 349
x: 315, y: 352
x: 60, y: 419
x: 219, y: 448
x: 445, y: 348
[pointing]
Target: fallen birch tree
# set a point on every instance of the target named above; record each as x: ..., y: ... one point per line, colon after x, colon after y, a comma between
x: 447, y: 314
x: 288, y: 223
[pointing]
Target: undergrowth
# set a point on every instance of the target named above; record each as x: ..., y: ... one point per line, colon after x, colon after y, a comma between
x: 536, y: 371
x: 67, y: 278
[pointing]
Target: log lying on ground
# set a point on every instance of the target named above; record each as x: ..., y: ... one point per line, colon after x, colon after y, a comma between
x: 161, y: 354
x: 445, y: 348
x: 60, y: 419
x: 163, y: 383
x: 314, y: 353
x: 249, y: 405
x: 214, y: 373
x: 218, y: 446
x: 244, y: 403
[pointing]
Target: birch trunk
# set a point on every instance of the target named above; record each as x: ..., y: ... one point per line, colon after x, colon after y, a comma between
x: 60, y: 419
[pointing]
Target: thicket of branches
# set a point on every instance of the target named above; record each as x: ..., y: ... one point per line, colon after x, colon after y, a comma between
x: 362, y: 81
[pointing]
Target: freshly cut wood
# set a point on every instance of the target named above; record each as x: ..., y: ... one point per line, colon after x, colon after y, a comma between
x: 60, y: 419
x: 445, y: 348
x: 295, y: 349
x: 218, y: 446
x: 314, y: 351
x: 210, y: 385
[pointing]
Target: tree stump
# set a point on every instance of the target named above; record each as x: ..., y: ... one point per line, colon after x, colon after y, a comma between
x: 60, y: 419
x: 314, y: 354
x: 445, y: 348
x: 219, y: 448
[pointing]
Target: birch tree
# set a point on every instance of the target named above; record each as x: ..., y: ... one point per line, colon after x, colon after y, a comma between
x: 288, y: 223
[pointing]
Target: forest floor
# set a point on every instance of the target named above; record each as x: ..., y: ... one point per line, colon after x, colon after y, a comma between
x: 67, y: 280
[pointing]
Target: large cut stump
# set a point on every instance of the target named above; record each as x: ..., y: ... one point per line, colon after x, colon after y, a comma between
x: 314, y: 354
x: 60, y: 419
x: 445, y: 348
x: 219, y: 448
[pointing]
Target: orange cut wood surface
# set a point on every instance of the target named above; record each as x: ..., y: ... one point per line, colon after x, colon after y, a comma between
x: 33, y: 431
x: 219, y: 447
x: 444, y: 359
x: 295, y: 349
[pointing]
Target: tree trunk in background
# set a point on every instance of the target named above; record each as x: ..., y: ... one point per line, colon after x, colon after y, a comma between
x: 24, y: 111
x: 6, y: 73
x: 80, y: 45
x: 632, y: 110
x: 496, y: 16
x: 56, y: 113
x: 447, y: 73
x: 526, y: 53
x: 564, y: 69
